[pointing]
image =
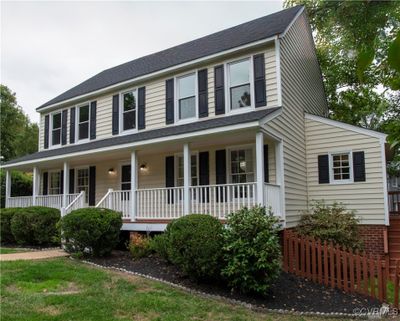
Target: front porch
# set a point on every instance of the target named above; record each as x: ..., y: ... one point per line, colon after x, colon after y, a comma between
x: 155, y: 184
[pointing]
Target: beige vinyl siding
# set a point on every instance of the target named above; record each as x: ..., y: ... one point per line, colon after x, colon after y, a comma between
x: 155, y: 95
x: 367, y: 197
x: 302, y: 90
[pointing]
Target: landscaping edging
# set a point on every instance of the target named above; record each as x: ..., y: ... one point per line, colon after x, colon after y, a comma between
x: 338, y: 315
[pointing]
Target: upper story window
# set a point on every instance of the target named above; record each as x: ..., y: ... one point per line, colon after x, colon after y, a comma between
x: 56, y: 129
x: 186, y: 93
x: 83, y: 122
x: 239, y: 84
x: 340, y: 167
x: 128, y: 115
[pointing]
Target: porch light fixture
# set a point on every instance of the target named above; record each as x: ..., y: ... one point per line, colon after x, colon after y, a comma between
x: 143, y: 167
x: 111, y: 171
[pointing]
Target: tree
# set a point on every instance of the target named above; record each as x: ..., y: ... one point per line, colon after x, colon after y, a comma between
x: 358, y: 46
x: 19, y: 136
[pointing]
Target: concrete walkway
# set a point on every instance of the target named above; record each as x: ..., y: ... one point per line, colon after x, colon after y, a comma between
x: 34, y: 255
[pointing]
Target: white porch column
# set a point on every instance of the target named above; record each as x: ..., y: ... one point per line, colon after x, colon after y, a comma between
x: 134, y: 184
x: 8, y: 186
x: 186, y: 178
x: 66, y: 184
x: 280, y: 178
x: 260, y: 167
x: 35, y: 185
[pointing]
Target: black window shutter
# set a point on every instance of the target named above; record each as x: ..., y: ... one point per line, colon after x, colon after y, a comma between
x: 259, y: 80
x: 72, y: 181
x: 64, y: 119
x: 203, y: 92
x: 266, y: 164
x: 115, y: 115
x: 359, y: 166
x: 72, y: 126
x: 170, y: 176
x: 169, y: 101
x: 220, y: 172
x: 219, y: 90
x: 46, y: 131
x: 62, y: 182
x: 92, y: 185
x: 45, y: 184
x: 141, y: 108
x: 323, y: 169
x: 204, y: 174
x: 93, y: 113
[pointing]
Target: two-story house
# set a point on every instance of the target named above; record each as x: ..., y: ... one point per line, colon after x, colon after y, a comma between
x: 232, y: 119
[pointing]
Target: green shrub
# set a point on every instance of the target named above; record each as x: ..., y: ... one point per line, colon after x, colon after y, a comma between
x: 331, y: 223
x: 139, y: 246
x: 92, y: 231
x: 6, y: 214
x: 159, y: 245
x: 36, y: 225
x: 252, y: 251
x: 194, y: 243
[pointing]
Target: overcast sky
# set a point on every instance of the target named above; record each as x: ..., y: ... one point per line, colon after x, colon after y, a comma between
x: 49, y: 47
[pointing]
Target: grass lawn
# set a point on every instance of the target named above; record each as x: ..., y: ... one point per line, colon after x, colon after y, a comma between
x: 61, y: 289
x: 5, y: 250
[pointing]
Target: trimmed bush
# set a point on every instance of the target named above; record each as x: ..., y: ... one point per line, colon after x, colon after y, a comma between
x: 331, y: 223
x: 252, y: 251
x: 92, y: 231
x: 139, y: 246
x: 36, y: 225
x: 6, y: 214
x: 194, y: 243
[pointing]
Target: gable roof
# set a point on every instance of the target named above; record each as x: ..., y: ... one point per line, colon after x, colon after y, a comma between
x: 147, y: 135
x: 252, y: 31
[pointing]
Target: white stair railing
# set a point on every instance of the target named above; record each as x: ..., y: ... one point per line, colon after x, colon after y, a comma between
x: 119, y: 201
x: 78, y: 202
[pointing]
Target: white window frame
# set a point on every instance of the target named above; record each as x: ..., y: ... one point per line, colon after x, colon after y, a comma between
x: 76, y: 169
x: 49, y: 181
x: 51, y: 129
x: 176, y: 168
x: 228, y: 108
x: 177, y: 98
x: 334, y: 181
x: 229, y: 164
x: 77, y: 111
x: 121, y: 111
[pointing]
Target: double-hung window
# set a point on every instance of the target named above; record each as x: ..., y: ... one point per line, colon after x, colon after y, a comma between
x: 241, y: 166
x: 129, y: 110
x: 239, y: 84
x: 193, y: 171
x: 83, y: 122
x: 56, y: 129
x: 340, y: 167
x: 55, y: 183
x: 82, y: 182
x: 186, y: 93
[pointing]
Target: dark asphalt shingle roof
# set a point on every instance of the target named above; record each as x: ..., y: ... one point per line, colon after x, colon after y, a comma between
x: 149, y: 134
x: 255, y: 30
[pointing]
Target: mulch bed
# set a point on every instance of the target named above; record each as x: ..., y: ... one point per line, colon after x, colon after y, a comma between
x: 288, y: 293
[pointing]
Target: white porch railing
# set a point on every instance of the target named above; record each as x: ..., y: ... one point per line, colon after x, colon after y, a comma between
x: 272, y: 198
x: 118, y: 201
x: 76, y: 203
x: 19, y: 201
x: 220, y: 200
x: 159, y: 203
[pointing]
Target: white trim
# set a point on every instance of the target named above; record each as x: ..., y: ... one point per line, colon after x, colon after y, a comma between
x: 134, y: 184
x: 260, y: 176
x: 334, y: 181
x: 353, y: 128
x: 35, y: 185
x: 384, y: 181
x: 249, y: 125
x: 280, y: 176
x: 121, y: 112
x: 158, y: 73
x: 65, y: 184
x: 186, y: 178
x: 270, y: 117
x: 283, y: 34
x: 278, y: 70
x: 77, y: 112
x: 177, y: 98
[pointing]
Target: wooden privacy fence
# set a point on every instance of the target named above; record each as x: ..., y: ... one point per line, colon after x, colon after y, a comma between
x: 336, y: 267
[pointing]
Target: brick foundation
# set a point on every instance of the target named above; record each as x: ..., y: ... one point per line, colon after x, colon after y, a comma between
x: 373, y: 238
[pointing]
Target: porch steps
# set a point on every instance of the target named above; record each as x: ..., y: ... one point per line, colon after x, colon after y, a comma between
x: 394, y: 241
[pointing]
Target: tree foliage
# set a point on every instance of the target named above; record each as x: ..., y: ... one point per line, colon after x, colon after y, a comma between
x: 19, y: 136
x: 358, y: 46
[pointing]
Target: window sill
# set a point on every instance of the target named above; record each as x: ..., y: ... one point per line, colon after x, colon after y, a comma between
x: 347, y: 182
x: 241, y: 110
x: 186, y: 121
x: 128, y: 132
